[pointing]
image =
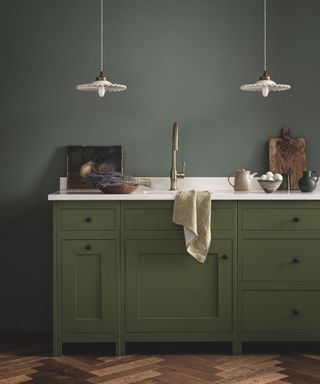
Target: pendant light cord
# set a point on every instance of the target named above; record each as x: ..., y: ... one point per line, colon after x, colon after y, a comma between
x: 265, y: 35
x: 101, y: 36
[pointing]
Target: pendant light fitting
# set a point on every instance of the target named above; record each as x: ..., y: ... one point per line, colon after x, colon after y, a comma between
x: 265, y: 84
x: 101, y: 85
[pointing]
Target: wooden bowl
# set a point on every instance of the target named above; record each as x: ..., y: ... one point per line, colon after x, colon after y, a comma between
x: 119, y: 188
x: 270, y: 186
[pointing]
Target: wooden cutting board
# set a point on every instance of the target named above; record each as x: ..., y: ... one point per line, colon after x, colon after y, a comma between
x: 288, y: 155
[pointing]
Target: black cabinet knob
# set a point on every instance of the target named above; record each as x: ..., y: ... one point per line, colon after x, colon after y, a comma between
x: 88, y: 220
x: 224, y: 257
x: 295, y: 312
x: 88, y: 247
x: 296, y: 219
x: 296, y: 260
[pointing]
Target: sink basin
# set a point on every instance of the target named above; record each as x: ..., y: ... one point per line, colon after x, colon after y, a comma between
x: 156, y: 192
x: 163, y: 192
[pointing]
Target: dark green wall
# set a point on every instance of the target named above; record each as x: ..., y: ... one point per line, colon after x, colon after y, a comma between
x: 182, y: 60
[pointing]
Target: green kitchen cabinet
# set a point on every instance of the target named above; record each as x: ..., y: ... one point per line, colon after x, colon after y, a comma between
x: 121, y: 274
x: 167, y: 295
x: 278, y: 271
x: 86, y: 273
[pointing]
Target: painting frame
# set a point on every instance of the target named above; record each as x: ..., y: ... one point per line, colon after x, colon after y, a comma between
x: 103, y: 156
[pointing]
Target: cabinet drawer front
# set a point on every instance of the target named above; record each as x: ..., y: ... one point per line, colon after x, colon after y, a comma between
x: 280, y: 311
x: 280, y: 219
x: 158, y: 217
x: 88, y: 219
x: 280, y: 260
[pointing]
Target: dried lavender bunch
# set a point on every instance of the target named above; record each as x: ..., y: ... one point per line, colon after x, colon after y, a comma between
x: 101, y: 180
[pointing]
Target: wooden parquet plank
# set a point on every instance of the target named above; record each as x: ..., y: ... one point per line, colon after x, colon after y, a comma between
x: 188, y: 365
x: 197, y: 362
x: 25, y: 350
x: 126, y: 366
x: 170, y: 376
x: 187, y: 377
x: 280, y: 382
x: 21, y: 361
x: 303, y: 365
x: 231, y: 362
x: 264, y: 378
x: 296, y: 377
x: 15, y: 380
x: 109, y: 361
x: 251, y: 370
x: 116, y: 359
x: 54, y: 372
x: 91, y: 360
x: 133, y: 378
x: 75, y: 363
x: 19, y: 368
x: 17, y: 372
x: 315, y: 357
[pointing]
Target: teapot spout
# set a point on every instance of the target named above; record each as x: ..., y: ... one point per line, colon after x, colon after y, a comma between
x: 253, y: 174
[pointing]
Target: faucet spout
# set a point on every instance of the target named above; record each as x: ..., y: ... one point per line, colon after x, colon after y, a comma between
x: 174, y: 175
x: 175, y: 136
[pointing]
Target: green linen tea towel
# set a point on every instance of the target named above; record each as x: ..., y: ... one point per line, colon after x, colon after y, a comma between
x: 192, y: 210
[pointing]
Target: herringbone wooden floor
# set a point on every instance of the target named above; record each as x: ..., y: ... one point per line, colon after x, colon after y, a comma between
x: 35, y: 365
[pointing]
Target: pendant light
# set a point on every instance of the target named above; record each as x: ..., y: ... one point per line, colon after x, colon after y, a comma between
x: 101, y: 85
x: 265, y: 84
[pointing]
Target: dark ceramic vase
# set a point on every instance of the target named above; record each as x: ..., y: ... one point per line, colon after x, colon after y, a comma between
x: 308, y: 182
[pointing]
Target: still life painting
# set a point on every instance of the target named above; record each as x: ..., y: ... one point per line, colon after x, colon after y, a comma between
x: 102, y: 158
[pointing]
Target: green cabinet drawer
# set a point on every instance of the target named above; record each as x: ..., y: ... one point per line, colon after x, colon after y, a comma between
x: 167, y: 290
x: 280, y: 311
x: 280, y: 260
x: 157, y: 216
x: 272, y: 218
x: 88, y: 284
x: 88, y: 219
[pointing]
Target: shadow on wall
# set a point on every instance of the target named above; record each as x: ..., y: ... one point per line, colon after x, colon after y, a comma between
x: 26, y: 257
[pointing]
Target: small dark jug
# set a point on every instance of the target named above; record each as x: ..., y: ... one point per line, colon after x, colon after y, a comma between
x: 307, y: 183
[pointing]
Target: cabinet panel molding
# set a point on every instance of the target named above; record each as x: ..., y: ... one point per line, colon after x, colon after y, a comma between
x: 167, y: 290
x: 88, y: 285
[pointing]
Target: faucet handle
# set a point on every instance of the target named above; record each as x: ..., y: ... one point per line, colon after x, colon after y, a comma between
x: 182, y: 174
x: 184, y: 167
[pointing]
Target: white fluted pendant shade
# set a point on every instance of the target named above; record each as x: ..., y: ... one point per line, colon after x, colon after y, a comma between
x: 265, y: 85
x: 100, y: 85
x: 271, y: 85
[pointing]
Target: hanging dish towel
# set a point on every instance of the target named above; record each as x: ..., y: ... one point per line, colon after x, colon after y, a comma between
x: 193, y: 210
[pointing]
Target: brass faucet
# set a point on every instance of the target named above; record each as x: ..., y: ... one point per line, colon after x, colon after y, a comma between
x: 174, y: 175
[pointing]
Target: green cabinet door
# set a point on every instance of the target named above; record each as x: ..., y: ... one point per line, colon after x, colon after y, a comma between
x: 167, y: 290
x: 88, y: 285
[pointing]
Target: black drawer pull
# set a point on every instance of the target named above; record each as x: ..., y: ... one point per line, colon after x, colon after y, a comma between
x: 88, y: 247
x: 224, y: 257
x: 88, y: 220
x: 296, y: 219
x: 295, y: 312
x: 296, y: 260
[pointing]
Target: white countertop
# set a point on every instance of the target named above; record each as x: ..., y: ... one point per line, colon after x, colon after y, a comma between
x: 218, y: 186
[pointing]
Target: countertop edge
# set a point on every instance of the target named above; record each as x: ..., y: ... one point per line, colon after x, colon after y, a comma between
x: 225, y: 195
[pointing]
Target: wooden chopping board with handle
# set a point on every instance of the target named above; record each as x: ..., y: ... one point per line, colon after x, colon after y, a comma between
x: 288, y: 155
